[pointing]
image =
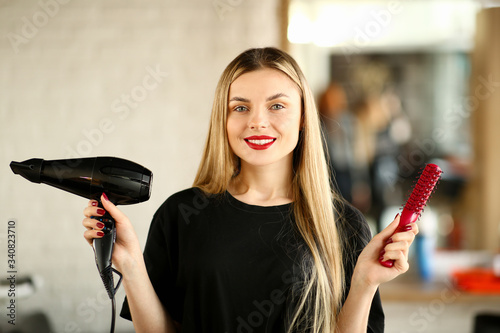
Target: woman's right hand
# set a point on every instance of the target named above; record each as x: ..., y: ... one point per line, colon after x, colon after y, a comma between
x: 126, y: 251
x: 145, y: 306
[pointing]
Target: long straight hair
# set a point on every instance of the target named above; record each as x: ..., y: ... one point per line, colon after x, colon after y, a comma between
x: 313, y: 198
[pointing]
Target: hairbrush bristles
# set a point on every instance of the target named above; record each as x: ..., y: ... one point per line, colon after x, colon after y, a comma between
x: 417, y: 200
x: 423, y: 188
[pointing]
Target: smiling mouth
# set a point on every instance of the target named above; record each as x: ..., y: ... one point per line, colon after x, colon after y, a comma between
x: 260, y: 143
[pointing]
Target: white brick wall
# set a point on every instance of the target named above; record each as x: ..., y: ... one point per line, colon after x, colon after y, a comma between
x: 63, y: 77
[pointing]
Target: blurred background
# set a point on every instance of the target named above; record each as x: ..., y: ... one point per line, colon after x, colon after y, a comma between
x: 398, y: 83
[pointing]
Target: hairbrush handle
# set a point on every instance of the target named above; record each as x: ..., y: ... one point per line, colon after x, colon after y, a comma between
x: 417, y: 200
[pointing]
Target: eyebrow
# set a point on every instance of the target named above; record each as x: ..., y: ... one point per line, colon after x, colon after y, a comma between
x: 239, y: 99
x: 276, y: 96
x: 246, y: 100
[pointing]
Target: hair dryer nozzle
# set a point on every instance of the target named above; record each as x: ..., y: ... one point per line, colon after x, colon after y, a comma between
x: 29, y: 169
x: 123, y: 181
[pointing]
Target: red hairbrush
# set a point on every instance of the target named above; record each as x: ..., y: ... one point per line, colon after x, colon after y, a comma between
x: 418, y: 198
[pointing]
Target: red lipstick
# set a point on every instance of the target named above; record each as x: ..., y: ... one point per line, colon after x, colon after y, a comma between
x: 260, y: 142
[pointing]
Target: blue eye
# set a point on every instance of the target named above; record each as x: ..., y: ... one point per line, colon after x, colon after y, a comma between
x: 240, y: 108
x: 277, y: 107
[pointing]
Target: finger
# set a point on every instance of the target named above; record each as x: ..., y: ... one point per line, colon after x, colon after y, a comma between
x: 396, y: 251
x: 91, y: 211
x: 400, y: 259
x: 401, y: 265
x: 411, y: 226
x: 93, y: 203
x: 415, y: 228
x: 111, y: 208
x: 400, y: 242
x: 395, y: 248
x: 406, y: 236
x: 89, y: 235
x: 390, y: 229
x: 91, y: 223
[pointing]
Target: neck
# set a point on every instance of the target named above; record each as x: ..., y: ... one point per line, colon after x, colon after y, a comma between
x: 268, y: 185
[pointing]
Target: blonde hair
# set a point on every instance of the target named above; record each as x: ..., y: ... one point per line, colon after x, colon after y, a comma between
x: 313, y: 199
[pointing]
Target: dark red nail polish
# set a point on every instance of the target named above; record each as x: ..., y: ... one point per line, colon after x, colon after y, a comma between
x: 407, y: 228
x: 101, y: 211
x: 100, y: 233
x: 99, y: 225
x: 382, y: 252
x: 389, y: 241
x: 94, y: 203
x: 105, y: 196
x: 395, y: 217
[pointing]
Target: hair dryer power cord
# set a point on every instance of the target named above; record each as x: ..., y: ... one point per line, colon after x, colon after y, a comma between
x: 108, y: 281
x: 113, y: 314
x: 107, y: 278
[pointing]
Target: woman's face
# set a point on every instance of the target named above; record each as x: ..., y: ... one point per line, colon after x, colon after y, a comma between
x: 264, y: 118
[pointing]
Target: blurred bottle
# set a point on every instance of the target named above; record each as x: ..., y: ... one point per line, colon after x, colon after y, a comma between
x: 426, y: 244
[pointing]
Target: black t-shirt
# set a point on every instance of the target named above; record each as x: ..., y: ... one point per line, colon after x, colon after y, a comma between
x: 219, y: 265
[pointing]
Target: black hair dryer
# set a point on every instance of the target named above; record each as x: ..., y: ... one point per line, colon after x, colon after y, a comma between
x: 124, y: 182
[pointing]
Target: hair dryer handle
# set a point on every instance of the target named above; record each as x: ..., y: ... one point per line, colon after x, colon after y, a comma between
x: 103, y: 250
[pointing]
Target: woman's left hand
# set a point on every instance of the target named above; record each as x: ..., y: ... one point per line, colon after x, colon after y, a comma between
x: 369, y: 272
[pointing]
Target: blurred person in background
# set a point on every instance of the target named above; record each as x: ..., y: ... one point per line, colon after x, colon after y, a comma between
x: 350, y: 176
x: 381, y: 128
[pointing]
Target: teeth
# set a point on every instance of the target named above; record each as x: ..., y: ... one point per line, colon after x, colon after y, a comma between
x: 261, y: 142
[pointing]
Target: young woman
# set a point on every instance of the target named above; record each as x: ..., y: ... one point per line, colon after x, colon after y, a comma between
x: 260, y: 243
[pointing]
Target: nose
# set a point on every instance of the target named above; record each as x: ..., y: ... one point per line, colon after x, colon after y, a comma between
x: 258, y: 119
